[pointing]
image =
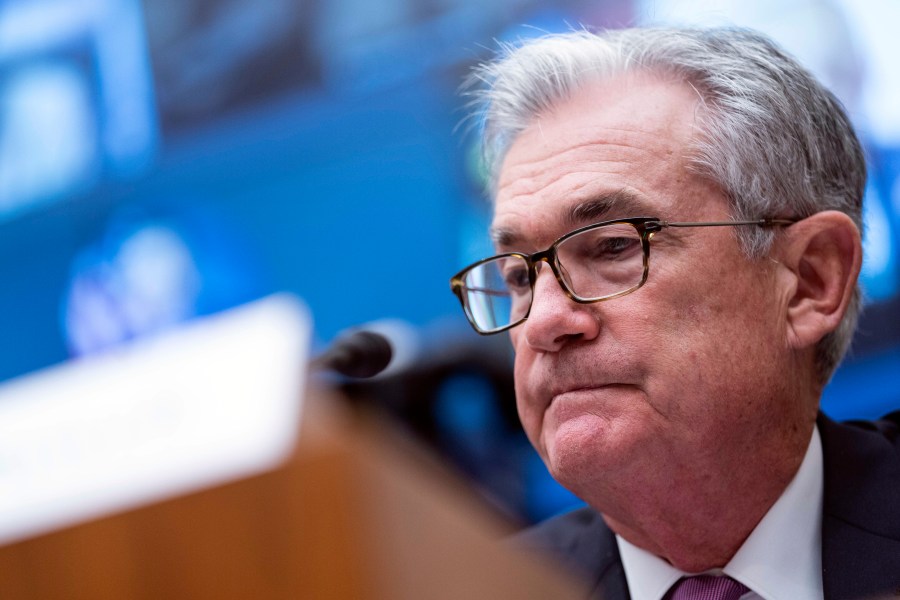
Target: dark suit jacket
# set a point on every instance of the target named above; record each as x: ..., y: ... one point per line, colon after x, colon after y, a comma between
x: 860, y: 520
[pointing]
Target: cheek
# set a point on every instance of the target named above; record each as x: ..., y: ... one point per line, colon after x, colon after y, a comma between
x: 714, y: 339
x: 525, y: 404
x: 531, y: 414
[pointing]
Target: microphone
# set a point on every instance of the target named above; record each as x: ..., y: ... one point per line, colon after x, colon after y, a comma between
x: 357, y: 354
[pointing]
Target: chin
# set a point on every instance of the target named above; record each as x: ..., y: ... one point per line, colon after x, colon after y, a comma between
x: 579, y: 451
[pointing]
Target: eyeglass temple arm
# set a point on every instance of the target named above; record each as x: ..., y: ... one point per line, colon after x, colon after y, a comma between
x: 759, y: 222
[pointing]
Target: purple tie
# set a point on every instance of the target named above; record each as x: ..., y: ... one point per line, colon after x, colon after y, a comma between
x: 706, y: 587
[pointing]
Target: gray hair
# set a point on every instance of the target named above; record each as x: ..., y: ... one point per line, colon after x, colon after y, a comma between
x: 772, y: 137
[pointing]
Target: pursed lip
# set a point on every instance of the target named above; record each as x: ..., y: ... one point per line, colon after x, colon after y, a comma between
x: 601, y: 400
x: 582, y: 388
x: 580, y: 393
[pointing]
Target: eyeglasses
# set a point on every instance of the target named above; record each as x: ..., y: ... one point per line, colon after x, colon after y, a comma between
x: 593, y: 263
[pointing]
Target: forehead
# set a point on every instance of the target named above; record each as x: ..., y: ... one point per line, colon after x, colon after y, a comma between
x: 616, y: 147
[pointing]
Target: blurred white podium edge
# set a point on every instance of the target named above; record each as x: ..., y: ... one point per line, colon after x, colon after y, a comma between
x: 215, y: 400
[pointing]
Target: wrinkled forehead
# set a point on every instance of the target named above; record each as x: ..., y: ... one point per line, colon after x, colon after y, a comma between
x: 616, y: 148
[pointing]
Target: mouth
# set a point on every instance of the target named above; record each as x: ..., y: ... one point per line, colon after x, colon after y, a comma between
x: 578, y: 391
x: 597, y: 400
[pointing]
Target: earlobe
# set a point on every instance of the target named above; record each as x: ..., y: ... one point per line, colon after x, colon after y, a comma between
x: 824, y: 252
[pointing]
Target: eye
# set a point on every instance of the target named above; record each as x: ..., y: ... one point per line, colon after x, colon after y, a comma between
x: 515, y: 276
x: 607, y: 243
x: 613, y: 248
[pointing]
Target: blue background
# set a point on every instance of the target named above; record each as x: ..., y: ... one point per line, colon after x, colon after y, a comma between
x: 313, y: 147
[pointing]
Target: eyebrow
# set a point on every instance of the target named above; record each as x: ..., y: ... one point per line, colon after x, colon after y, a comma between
x: 622, y: 203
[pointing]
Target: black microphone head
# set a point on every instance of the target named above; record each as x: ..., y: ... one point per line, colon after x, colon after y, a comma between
x: 360, y: 354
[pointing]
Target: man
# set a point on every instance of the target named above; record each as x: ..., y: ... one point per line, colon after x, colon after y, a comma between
x: 677, y: 218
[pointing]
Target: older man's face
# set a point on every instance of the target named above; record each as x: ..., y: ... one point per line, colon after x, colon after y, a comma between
x: 685, y: 374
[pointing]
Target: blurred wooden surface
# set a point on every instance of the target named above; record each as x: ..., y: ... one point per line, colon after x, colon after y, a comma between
x: 355, y: 512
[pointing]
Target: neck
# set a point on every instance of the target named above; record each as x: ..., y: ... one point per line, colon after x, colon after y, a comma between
x: 698, y: 516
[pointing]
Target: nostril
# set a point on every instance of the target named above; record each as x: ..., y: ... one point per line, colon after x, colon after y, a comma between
x: 569, y: 337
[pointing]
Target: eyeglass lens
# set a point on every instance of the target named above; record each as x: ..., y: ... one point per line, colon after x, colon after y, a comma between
x: 593, y: 264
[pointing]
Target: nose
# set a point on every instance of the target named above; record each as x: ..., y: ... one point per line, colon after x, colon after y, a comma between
x: 555, y: 319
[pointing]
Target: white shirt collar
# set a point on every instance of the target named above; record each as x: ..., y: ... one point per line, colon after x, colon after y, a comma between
x: 782, y: 557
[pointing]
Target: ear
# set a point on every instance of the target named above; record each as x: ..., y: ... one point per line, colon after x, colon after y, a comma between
x: 824, y: 253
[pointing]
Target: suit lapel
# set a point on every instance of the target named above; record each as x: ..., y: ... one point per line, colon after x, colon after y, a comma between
x: 609, y: 581
x: 861, y: 512
x: 586, y: 545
